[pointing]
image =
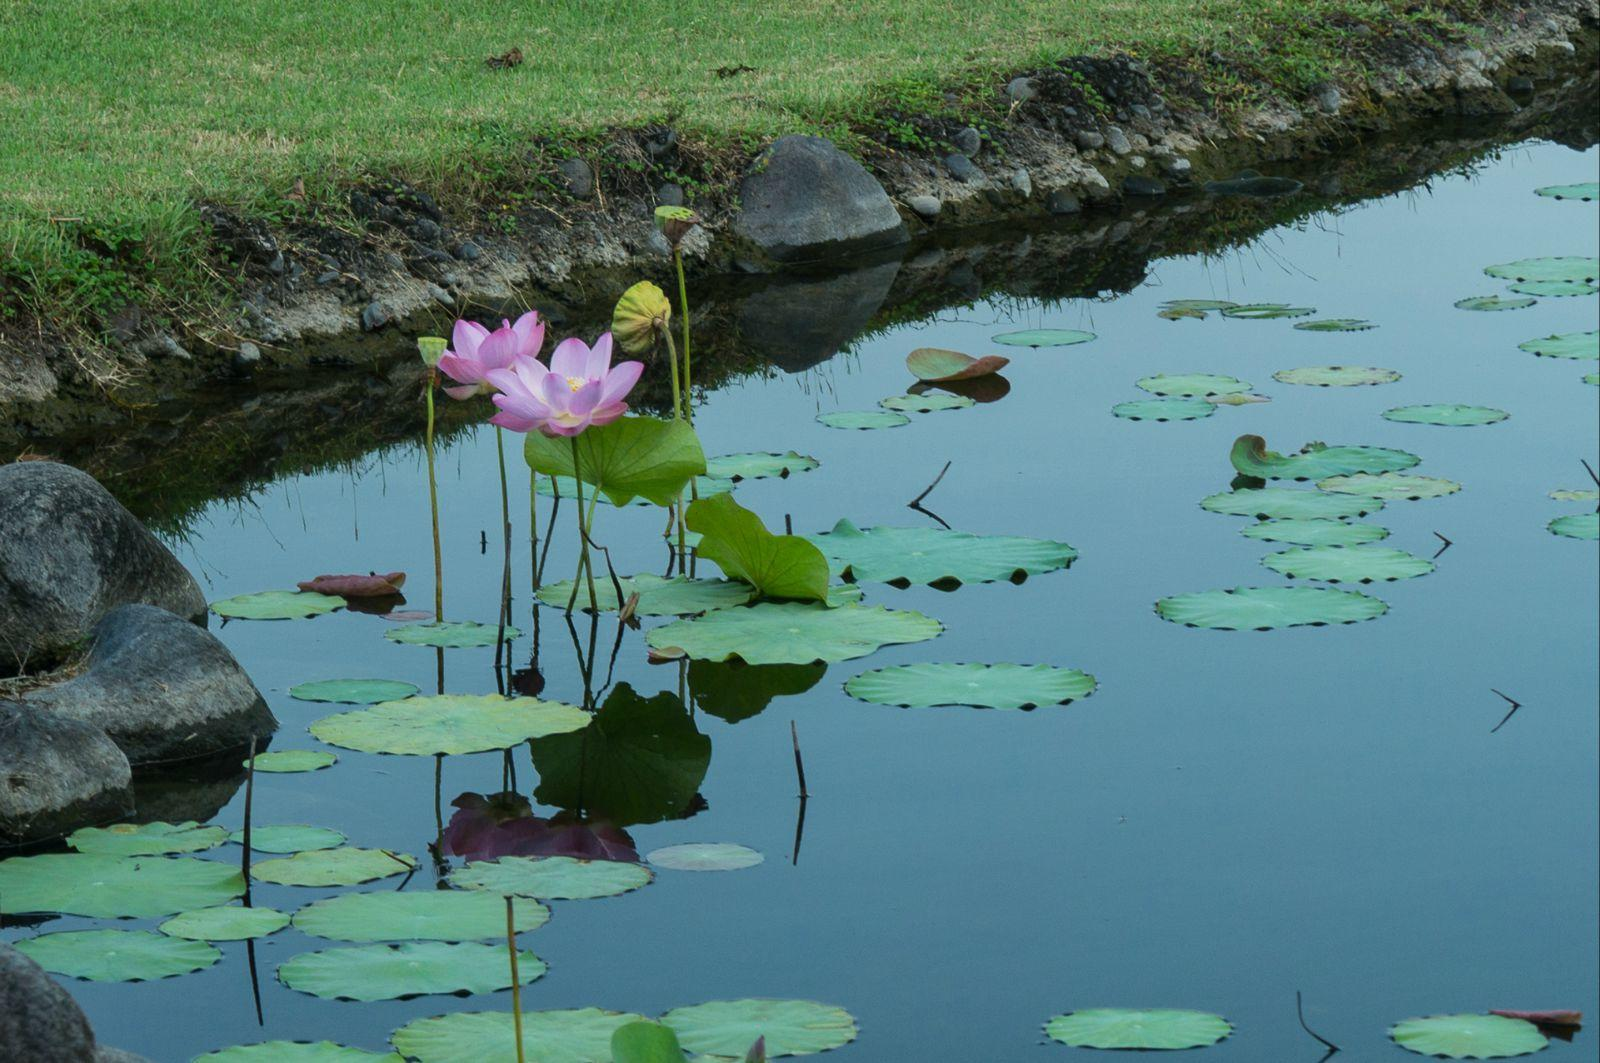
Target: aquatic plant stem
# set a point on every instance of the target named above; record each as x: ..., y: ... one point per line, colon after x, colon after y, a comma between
x: 516, y: 981
x: 683, y: 304
x: 585, y: 569
x: 533, y: 525
x: 433, y: 506
x: 505, y: 570
x: 672, y: 364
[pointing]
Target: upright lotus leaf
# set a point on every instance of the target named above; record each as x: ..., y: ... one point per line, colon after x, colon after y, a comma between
x: 405, y: 970
x: 645, y: 1042
x: 1191, y: 385
x: 1336, y: 376
x: 114, y: 887
x: 643, y: 313
x: 581, y: 1035
x: 1493, y: 302
x: 1164, y: 409
x: 1554, y: 268
x: 1315, y: 461
x: 790, y: 1027
x: 678, y: 596
x: 733, y: 690
x: 863, y: 420
x: 1314, y: 532
x: 353, y: 691
x: 1267, y: 311
x: 276, y: 605
x: 293, y: 761
x: 229, y: 922
x: 989, y: 686
x: 929, y: 402
x: 345, y: 866
x: 289, y: 838
x: 450, y: 635
x: 1393, y: 486
x: 1555, y: 289
x: 448, y: 724
x: 147, y: 839
x: 1138, y: 1028
x: 1468, y: 1036
x: 296, y: 1052
x: 551, y: 878
x: 1445, y: 413
x: 793, y: 633
x: 933, y: 365
x: 759, y: 465
x: 1574, y: 526
x: 777, y: 566
x: 432, y: 915
x: 1347, y: 564
x: 1266, y: 608
x: 1335, y: 324
x: 705, y: 856
x: 117, y: 955
x: 1266, y: 503
x: 1044, y: 337
x: 632, y: 456
x: 939, y: 557
x: 1583, y: 346
x: 567, y: 487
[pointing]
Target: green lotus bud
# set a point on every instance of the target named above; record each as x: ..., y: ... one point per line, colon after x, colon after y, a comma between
x: 641, y: 314
x: 431, y: 348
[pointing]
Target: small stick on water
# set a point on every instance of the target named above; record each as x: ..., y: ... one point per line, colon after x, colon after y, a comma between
x: 249, y: 793
x: 788, y: 524
x: 799, y: 832
x: 1301, y: 1011
x: 1590, y: 470
x: 483, y: 541
x: 926, y: 491
x: 516, y: 982
x: 799, y: 764
x: 1515, y: 705
x: 1443, y: 539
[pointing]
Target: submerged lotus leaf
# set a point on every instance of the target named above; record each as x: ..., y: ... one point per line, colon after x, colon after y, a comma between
x: 1588, y: 495
x: 1493, y: 302
x: 1265, y: 608
x: 1267, y: 311
x: 989, y: 686
x: 1554, y: 268
x: 1191, y: 385
x: 1468, y: 1036
x: 551, y: 878
x: 793, y: 633
x: 1574, y: 526
x: 705, y: 856
x: 289, y: 838
x: 117, y: 955
x: 114, y: 887
x: 1315, y: 461
x: 1336, y: 376
x: 1197, y: 304
x: 451, y: 634
x: 1555, y: 289
x: 146, y: 839
x: 567, y: 487
x: 1583, y: 346
x: 758, y: 466
x: 632, y: 456
x: 408, y: 969
x: 1138, y: 1028
x: 353, y: 691
x: 931, y: 402
x: 448, y: 724
x: 1445, y: 413
x: 276, y: 605
x: 1314, y: 532
x: 939, y: 557
x: 734, y: 691
x: 580, y: 1035
x: 229, y: 922
x: 1347, y: 564
x: 735, y: 540
x: 1393, y: 486
x: 432, y: 915
x: 1288, y: 502
x: 1335, y: 324
x: 294, y: 761
x: 931, y: 365
x: 296, y: 1052
x: 1164, y: 409
x: 1044, y: 337
x: 345, y: 866
x: 790, y: 1027
x: 863, y: 419
x: 678, y: 596
x: 1585, y: 191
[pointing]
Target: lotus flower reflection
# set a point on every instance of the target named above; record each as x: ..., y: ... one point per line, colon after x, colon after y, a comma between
x: 475, y: 352
x: 581, y: 388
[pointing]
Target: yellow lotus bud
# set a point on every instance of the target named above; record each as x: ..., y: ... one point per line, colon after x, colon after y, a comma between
x: 641, y: 314
x: 431, y: 348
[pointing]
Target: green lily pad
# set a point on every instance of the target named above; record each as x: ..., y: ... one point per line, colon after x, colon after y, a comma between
x: 1468, y: 1036
x: 276, y: 605
x: 1583, y: 346
x: 450, y: 634
x: 1197, y: 304
x: 646, y: 1042
x: 229, y: 922
x: 931, y: 402
x: 1267, y: 311
x: 147, y: 839
x: 1266, y: 503
x: 1393, y: 486
x: 632, y: 456
x: 448, y: 724
x: 1553, y: 268
x: 1314, y: 532
x: 114, y: 887
x: 1555, y: 289
x: 1191, y: 385
x: 758, y: 466
x: 1445, y: 413
x: 405, y: 970
x: 551, y: 878
x: 1587, y: 495
x: 1266, y: 608
x: 1336, y: 376
x: 705, y: 856
x: 791, y: 1027
x: 1585, y: 191
x: 777, y: 566
x: 1576, y: 526
x: 1335, y: 324
x: 345, y: 866
x: 1493, y: 302
x: 793, y: 633
x: 117, y: 955
x: 1043, y: 337
x: 432, y: 915
x: 296, y: 1052
x: 289, y: 838
x: 353, y: 691
x: 1315, y: 461
x: 1347, y: 564
x: 939, y: 557
x: 863, y: 420
x: 678, y: 596
x: 1138, y: 1028
x: 1164, y: 410
x: 567, y: 487
x: 989, y: 686
x: 581, y: 1035
x: 1592, y: 378
x: 294, y: 761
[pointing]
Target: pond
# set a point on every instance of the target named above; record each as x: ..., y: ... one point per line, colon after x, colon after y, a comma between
x: 1230, y: 818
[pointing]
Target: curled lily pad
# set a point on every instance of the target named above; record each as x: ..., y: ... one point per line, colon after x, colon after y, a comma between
x: 1588, y: 495
x: 294, y: 761
x: 353, y: 691
x: 1287, y: 502
x: 1583, y: 346
x: 1314, y: 532
x: 405, y: 970
x: 678, y: 596
x: 451, y: 634
x: 1493, y: 302
x: 296, y: 1052
x: 1191, y: 385
x: 863, y: 419
x: 1445, y: 413
x: 1315, y: 461
x: 114, y: 887
x: 1585, y: 191
x: 758, y: 466
x: 1335, y: 324
x: 929, y: 402
x: 1138, y: 1028
x: 1197, y: 304
x: 551, y: 878
x: 117, y: 955
x: 229, y: 922
x: 580, y: 1035
x: 1164, y: 410
x: 790, y: 1027
x: 1267, y: 311
x: 1555, y: 289
x: 1266, y: 608
x: 1348, y: 564
x: 705, y: 856
x: 1390, y: 485
x: 433, y: 915
x: 1554, y: 268
x: 793, y: 633
x: 448, y: 724
x: 990, y: 686
x: 289, y: 838
x: 1336, y: 376
x: 276, y: 605
x: 345, y: 866
x: 1576, y: 526
x: 1468, y: 1036
x: 567, y: 487
x: 935, y: 366
x: 147, y: 839
x: 939, y: 557
x: 1044, y: 337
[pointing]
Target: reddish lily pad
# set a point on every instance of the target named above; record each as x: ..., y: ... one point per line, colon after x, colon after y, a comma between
x: 936, y: 366
x: 355, y: 585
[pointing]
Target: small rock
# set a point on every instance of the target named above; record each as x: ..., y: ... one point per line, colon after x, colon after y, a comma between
x: 1328, y: 98
x: 275, y: 265
x: 1473, y: 58
x: 1520, y: 85
x: 661, y: 144
x: 1140, y: 111
x: 450, y: 280
x: 1139, y: 185
x: 1022, y: 182
x: 248, y: 354
x: 925, y: 206
x: 328, y: 277
x: 968, y: 141
x: 963, y: 169
x: 1062, y: 202
x: 1137, y: 162
x: 576, y: 177
x: 1177, y: 166
x: 1022, y: 89
x: 425, y: 230
x: 394, y: 262
x: 436, y: 254
x: 468, y: 251
x: 1117, y: 140
x: 669, y: 195
x: 57, y: 775
x: 374, y: 316
x: 1089, y: 140
x: 439, y: 295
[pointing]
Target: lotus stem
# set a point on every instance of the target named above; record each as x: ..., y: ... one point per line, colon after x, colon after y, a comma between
x: 505, y: 569
x: 683, y: 303
x: 516, y: 981
x: 533, y: 526
x: 672, y: 358
x: 585, y: 568
x: 672, y: 363
x: 433, y: 505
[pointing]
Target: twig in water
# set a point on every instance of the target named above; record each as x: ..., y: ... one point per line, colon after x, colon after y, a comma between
x: 516, y: 982
x: 916, y: 503
x: 1300, y: 1010
x: 788, y: 524
x: 1448, y: 543
x: 799, y: 764
x: 249, y: 793
x: 799, y: 832
x: 1590, y: 470
x: 483, y: 541
x: 1515, y: 705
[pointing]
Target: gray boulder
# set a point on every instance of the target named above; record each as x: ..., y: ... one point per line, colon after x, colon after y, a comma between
x: 804, y: 200
x: 162, y: 688
x: 69, y: 554
x: 39, y: 1021
x: 107, y: 1054
x: 56, y: 775
x: 577, y: 177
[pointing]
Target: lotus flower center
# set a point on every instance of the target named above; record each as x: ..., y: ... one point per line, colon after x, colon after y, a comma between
x: 575, y: 382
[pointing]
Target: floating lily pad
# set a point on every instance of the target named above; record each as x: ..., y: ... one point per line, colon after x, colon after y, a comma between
x: 1137, y: 1028
x: 1574, y: 526
x: 353, y: 691
x: 1191, y: 385
x: 929, y: 402
x: 1585, y: 191
x: 1164, y: 410
x: 567, y: 487
x: 678, y: 596
x: 790, y: 1027
x: 1393, y: 486
x: 1335, y: 324
x: 1445, y: 413
x: 933, y: 365
x: 793, y: 633
x: 297, y: 1052
x: 990, y: 686
x: 1336, y: 376
x: 146, y: 839
x: 114, y: 887
x: 581, y: 1035
x: 1314, y: 532
x: 405, y: 970
x: 229, y: 922
x: 1287, y: 502
x: 863, y: 419
x: 1043, y: 337
x: 551, y: 878
x: 1493, y: 302
x: 939, y: 557
x: 1588, y: 495
x: 1197, y: 304
x: 433, y: 915
x: 1265, y: 608
x: 345, y: 866
x: 1553, y: 268
x: 1468, y: 1036
x: 758, y: 466
x: 1348, y: 564
x: 1583, y: 346
x: 450, y: 634
x: 1592, y: 378
x: 289, y: 838
x: 448, y: 724
x: 1555, y: 289
x: 1267, y: 311
x: 293, y: 761
x: 705, y: 856
x: 117, y: 955
x: 276, y: 605
x: 1315, y: 461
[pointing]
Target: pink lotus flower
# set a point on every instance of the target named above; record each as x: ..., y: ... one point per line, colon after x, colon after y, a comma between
x: 475, y: 351
x: 581, y: 388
